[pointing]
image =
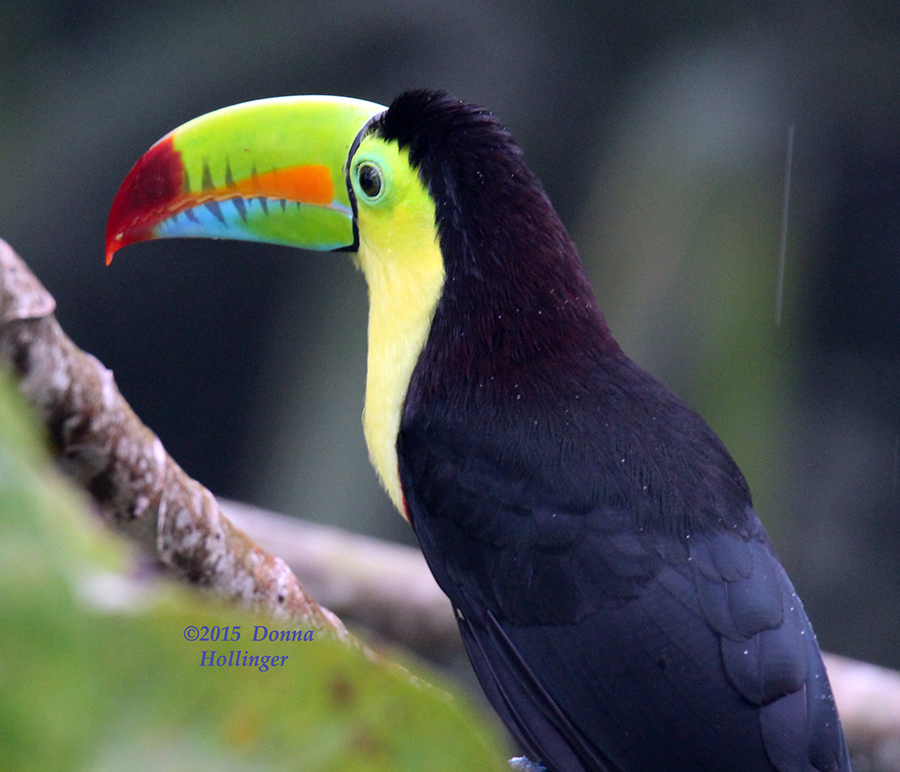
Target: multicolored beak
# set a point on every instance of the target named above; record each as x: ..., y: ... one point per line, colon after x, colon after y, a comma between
x: 272, y: 170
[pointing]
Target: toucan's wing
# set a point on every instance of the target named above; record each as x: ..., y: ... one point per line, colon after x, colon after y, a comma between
x: 674, y: 678
x: 608, y: 646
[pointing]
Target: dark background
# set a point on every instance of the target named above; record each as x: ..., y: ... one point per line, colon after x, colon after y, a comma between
x: 660, y: 131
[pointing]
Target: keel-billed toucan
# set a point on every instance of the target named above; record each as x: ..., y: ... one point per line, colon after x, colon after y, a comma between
x: 621, y: 604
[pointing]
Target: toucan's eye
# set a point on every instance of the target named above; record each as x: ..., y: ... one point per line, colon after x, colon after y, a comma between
x: 371, y: 180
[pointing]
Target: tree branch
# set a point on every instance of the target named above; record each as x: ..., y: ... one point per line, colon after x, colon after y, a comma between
x: 387, y: 587
x: 137, y: 487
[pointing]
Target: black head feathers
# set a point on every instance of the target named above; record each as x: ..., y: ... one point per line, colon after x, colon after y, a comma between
x: 458, y: 148
x: 487, y: 200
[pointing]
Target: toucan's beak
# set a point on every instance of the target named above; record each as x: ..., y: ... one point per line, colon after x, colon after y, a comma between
x: 272, y: 170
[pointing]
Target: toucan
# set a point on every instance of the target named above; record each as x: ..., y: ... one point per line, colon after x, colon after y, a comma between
x: 621, y: 604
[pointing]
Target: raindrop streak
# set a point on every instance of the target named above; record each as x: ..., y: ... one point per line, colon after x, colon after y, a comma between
x: 789, y: 160
x: 896, y: 460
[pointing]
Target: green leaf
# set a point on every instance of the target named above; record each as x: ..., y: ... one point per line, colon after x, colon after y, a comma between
x: 96, y: 672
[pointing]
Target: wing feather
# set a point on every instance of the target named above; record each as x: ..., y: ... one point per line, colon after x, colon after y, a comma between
x: 620, y: 601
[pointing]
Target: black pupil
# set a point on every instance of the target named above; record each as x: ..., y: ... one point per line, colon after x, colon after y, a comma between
x: 369, y: 180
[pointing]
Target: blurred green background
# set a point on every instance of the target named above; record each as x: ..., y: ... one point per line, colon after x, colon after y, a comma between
x: 660, y: 132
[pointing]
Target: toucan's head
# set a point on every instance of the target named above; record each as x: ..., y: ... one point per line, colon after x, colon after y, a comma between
x: 431, y: 193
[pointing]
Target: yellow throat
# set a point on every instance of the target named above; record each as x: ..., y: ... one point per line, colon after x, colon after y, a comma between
x: 400, y: 256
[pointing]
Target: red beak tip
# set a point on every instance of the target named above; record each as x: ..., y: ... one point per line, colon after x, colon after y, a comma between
x: 112, y: 246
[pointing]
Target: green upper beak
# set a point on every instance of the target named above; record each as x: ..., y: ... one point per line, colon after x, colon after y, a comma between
x: 272, y: 170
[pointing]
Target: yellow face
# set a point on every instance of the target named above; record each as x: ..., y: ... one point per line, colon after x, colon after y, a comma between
x: 400, y: 257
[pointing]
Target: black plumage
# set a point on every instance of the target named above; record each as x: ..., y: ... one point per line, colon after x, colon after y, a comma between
x: 621, y: 603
